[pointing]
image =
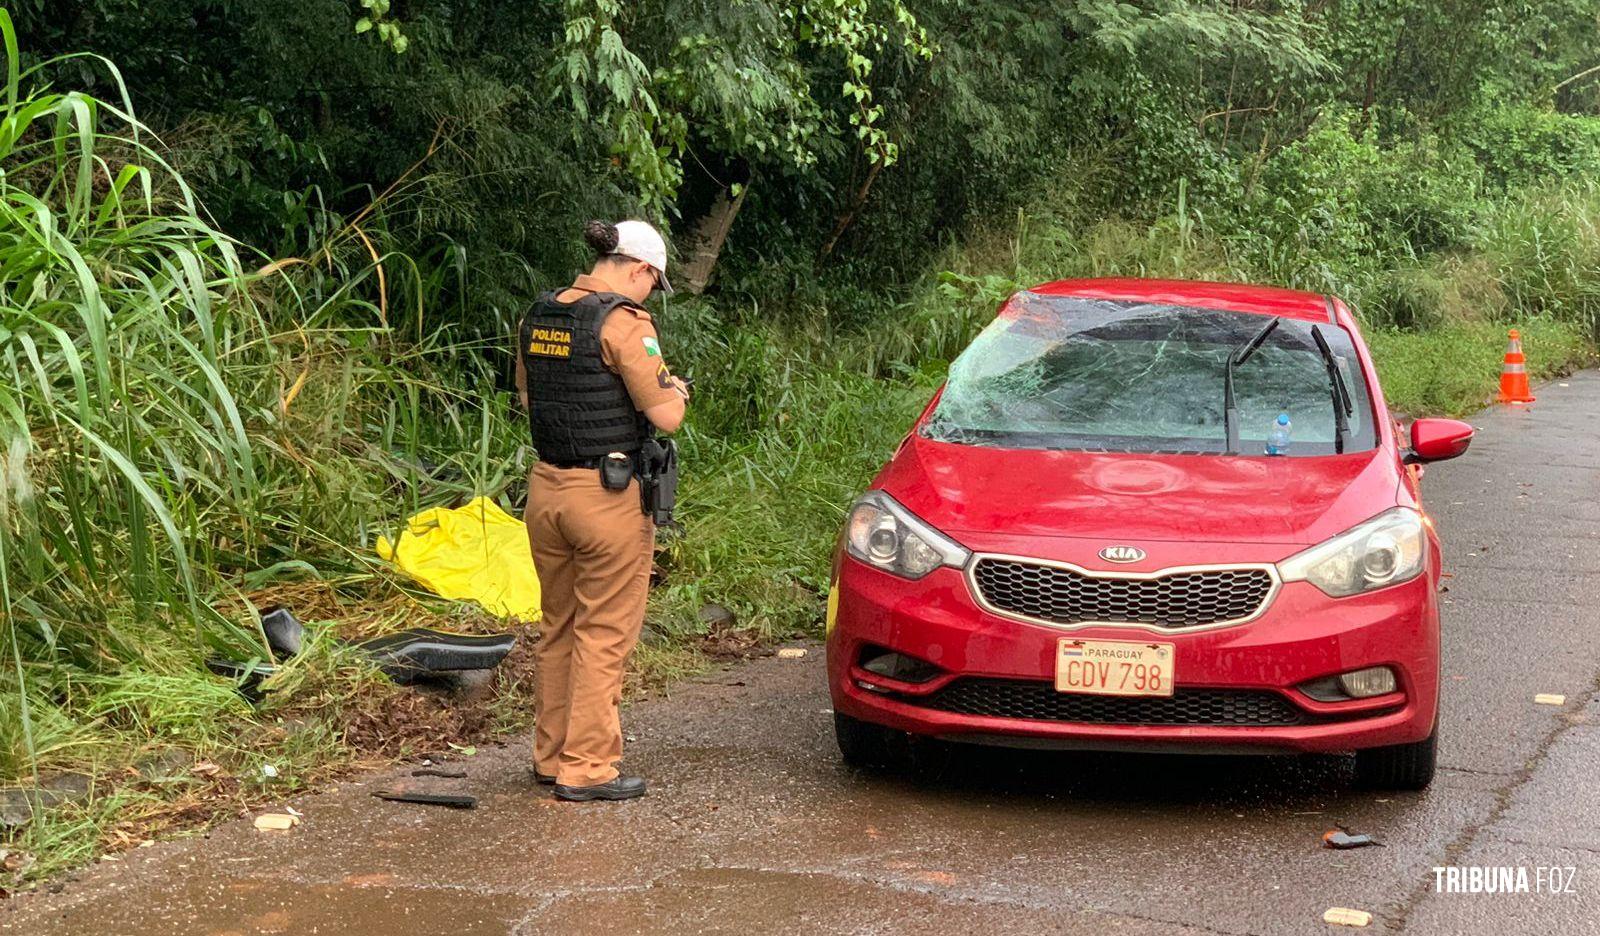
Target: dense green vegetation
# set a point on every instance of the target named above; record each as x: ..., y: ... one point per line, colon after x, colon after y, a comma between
x: 247, y: 334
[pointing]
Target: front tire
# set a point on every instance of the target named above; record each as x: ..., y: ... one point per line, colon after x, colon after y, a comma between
x: 1399, y: 766
x: 869, y: 746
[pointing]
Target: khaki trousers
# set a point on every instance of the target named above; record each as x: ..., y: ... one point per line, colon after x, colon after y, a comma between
x: 592, y: 549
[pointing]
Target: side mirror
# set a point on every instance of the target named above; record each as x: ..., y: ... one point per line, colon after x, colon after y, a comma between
x: 1437, y: 439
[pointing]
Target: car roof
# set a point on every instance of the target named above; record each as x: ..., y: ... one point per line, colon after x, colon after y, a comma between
x: 1261, y: 300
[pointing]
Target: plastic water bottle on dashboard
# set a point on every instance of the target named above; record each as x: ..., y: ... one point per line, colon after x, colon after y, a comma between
x: 1278, y: 436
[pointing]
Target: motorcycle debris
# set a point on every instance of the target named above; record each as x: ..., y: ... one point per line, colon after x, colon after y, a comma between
x: 276, y: 822
x: 1339, y: 838
x: 1344, y: 916
x: 450, y: 800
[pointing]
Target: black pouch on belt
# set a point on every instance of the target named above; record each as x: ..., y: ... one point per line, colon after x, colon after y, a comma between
x: 616, y: 470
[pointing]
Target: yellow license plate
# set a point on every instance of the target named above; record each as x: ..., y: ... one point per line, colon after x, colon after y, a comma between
x: 1114, y: 667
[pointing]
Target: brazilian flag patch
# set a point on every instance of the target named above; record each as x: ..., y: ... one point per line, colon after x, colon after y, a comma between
x: 651, y: 346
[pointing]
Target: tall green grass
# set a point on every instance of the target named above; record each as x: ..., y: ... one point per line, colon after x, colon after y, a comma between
x: 117, y: 320
x: 180, y: 421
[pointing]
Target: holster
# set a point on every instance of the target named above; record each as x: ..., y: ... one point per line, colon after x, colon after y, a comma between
x: 658, y: 480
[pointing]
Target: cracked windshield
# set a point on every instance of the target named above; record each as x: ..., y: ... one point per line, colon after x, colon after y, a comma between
x: 1072, y: 373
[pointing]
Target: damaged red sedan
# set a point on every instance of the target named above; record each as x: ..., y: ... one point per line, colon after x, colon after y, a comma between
x: 1150, y: 516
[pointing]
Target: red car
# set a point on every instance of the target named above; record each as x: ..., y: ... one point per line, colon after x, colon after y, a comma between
x: 1146, y: 515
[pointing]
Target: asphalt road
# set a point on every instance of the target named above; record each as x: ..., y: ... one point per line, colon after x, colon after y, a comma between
x: 753, y: 825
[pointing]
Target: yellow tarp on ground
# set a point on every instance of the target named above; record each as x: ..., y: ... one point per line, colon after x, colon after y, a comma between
x: 477, y: 552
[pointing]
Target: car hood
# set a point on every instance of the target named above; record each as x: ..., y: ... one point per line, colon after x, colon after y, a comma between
x: 1123, y: 496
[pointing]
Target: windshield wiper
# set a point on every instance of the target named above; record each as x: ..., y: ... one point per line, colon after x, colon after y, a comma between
x: 1342, y: 407
x: 1230, y: 409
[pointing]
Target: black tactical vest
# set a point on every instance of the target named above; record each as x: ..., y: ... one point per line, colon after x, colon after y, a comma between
x: 578, y: 409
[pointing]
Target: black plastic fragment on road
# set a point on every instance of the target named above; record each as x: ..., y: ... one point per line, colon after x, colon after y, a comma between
x: 449, y: 800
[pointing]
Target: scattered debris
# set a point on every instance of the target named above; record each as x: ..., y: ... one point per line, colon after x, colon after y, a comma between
x: 724, y: 639
x: 1339, y: 838
x: 451, y: 800
x: 17, y: 804
x: 67, y: 786
x: 1344, y: 916
x: 716, y: 617
x: 16, y: 810
x: 420, y: 652
x: 436, y: 772
x: 286, y: 636
x: 205, y: 769
x: 791, y: 653
x: 416, y: 654
x: 15, y: 862
x: 163, y: 765
x: 1549, y: 698
x: 268, y: 771
x: 469, y: 750
x: 276, y: 822
x: 247, y: 677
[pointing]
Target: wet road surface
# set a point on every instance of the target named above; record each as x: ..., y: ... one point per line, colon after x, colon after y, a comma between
x: 753, y: 825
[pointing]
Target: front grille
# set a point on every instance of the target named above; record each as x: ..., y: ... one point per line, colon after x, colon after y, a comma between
x: 1007, y: 698
x: 1064, y: 596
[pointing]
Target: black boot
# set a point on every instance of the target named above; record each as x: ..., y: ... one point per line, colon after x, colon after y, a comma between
x: 620, y: 788
x: 543, y: 779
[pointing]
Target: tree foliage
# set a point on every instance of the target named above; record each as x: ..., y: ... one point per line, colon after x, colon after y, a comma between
x: 865, y: 130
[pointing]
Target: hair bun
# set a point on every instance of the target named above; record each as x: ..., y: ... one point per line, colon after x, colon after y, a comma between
x: 600, y: 235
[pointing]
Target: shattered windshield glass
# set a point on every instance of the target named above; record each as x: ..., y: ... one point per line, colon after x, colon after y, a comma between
x: 1057, y: 372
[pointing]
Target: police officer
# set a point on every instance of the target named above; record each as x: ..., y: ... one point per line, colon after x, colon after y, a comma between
x: 596, y: 388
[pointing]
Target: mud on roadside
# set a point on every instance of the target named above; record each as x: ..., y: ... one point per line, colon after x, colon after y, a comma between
x: 322, y: 720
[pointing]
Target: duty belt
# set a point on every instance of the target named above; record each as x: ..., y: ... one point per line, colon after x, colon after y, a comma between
x: 580, y: 463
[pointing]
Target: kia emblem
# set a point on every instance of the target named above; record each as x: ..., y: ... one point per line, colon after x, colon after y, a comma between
x: 1122, y: 554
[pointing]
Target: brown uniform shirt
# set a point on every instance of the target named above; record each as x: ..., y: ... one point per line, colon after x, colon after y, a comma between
x: 630, y: 348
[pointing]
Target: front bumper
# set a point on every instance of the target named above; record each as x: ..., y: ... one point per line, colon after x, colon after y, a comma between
x: 1301, y: 636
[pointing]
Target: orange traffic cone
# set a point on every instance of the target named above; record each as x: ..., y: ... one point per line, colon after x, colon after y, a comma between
x: 1514, y: 374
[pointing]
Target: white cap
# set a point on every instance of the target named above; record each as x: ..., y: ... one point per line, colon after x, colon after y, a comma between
x: 637, y: 239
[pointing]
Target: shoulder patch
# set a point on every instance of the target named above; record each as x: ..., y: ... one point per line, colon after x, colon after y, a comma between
x: 651, y: 346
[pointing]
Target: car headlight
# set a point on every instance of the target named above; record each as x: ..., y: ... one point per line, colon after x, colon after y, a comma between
x: 1383, y: 551
x: 884, y: 534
